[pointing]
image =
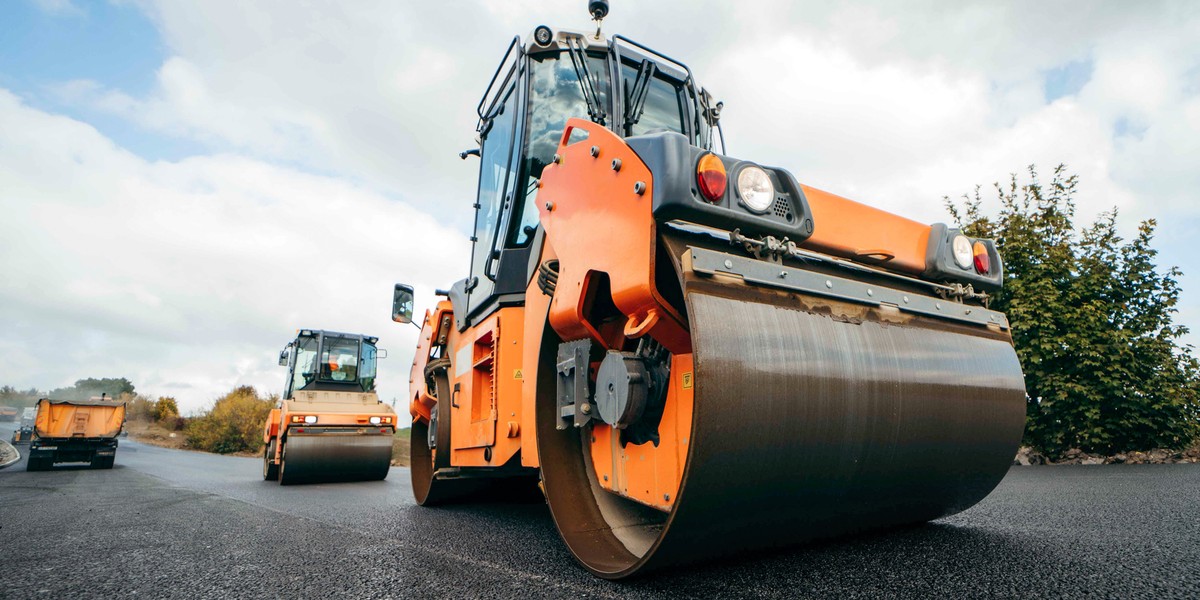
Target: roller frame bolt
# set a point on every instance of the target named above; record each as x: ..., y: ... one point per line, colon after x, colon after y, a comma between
x: 639, y: 188
x: 595, y: 151
x: 616, y: 164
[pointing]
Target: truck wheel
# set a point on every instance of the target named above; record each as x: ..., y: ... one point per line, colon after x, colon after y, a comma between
x: 270, y: 470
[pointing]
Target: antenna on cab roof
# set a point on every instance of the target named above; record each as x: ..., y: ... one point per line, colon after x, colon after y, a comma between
x: 598, y: 9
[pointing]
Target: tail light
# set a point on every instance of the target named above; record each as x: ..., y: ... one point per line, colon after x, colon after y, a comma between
x: 710, y: 175
x: 983, y: 262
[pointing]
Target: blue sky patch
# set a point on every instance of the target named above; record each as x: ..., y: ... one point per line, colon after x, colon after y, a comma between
x: 1067, y: 79
x: 117, y: 46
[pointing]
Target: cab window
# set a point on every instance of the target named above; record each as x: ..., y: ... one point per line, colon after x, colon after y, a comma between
x: 339, y: 359
x: 305, y: 370
x: 555, y: 95
x: 665, y: 107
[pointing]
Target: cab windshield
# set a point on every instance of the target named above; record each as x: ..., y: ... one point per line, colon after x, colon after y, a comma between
x: 339, y: 359
x: 334, y: 359
x: 555, y: 95
x: 558, y: 90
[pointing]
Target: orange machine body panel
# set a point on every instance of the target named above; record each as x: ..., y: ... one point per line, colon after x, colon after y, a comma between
x: 843, y: 227
x: 331, y: 409
x: 438, y: 325
x: 485, y: 380
x: 596, y: 208
x: 537, y: 307
x: 272, y: 428
x: 647, y: 473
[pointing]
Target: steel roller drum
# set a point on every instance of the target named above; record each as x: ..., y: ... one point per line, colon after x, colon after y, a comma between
x: 325, y: 457
x: 807, y: 425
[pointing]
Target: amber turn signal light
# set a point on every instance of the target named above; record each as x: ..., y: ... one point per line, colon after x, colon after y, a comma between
x: 983, y: 262
x: 710, y: 175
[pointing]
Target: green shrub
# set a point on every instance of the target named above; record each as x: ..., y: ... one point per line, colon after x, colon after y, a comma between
x: 234, y: 424
x: 1093, y: 323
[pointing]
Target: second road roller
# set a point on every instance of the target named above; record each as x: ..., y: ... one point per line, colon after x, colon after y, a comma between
x: 330, y: 424
x: 696, y: 353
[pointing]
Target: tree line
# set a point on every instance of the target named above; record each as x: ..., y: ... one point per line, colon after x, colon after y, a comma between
x: 1093, y: 322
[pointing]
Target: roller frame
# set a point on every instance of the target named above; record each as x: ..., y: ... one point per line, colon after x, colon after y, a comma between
x: 921, y: 425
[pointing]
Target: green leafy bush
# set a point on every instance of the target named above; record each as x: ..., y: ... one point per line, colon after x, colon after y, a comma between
x: 1092, y: 322
x: 234, y: 424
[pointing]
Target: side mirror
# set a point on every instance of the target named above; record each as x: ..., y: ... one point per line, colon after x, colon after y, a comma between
x: 283, y: 357
x: 402, y: 304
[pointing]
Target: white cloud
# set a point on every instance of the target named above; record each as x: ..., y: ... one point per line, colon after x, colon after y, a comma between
x: 893, y: 104
x: 187, y: 277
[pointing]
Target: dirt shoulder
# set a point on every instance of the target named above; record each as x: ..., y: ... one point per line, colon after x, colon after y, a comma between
x: 400, y: 448
x: 156, y: 435
x: 1027, y: 456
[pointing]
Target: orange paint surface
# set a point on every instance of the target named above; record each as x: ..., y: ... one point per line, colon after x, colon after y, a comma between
x: 849, y: 229
x: 647, y: 473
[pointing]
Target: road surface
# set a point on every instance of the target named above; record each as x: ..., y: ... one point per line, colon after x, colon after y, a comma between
x: 175, y: 524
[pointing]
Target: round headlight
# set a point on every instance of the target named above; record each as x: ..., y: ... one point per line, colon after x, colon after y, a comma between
x: 310, y: 419
x: 962, y: 251
x: 542, y: 35
x: 755, y: 188
x: 375, y: 420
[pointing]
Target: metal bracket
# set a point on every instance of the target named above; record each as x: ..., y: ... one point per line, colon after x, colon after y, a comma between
x: 709, y: 262
x: 574, y: 396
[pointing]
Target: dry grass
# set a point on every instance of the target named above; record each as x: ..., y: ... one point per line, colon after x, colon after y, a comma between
x: 150, y: 432
x: 400, y: 456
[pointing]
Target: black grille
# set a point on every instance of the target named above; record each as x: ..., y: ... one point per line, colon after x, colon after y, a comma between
x: 782, y: 208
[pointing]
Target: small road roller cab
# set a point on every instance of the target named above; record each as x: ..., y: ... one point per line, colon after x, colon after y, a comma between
x: 330, y: 424
x: 698, y: 354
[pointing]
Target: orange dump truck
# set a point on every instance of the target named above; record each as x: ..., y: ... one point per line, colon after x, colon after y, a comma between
x: 76, y: 431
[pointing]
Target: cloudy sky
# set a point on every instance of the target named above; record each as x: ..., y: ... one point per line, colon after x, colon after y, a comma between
x: 182, y: 185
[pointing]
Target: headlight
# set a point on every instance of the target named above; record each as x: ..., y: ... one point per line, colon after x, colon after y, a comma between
x: 755, y: 188
x: 375, y: 420
x: 962, y: 251
x: 310, y: 419
x: 542, y: 36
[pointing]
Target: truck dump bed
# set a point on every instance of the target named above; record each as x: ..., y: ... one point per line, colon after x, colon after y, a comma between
x: 88, y: 419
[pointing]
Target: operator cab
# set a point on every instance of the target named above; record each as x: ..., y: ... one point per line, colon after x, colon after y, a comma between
x: 329, y: 361
x: 540, y: 84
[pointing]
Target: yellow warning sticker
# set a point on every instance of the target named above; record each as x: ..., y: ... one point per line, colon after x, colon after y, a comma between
x: 517, y: 374
x: 687, y: 380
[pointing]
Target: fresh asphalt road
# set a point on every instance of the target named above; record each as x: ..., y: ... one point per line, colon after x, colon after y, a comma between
x: 167, y: 523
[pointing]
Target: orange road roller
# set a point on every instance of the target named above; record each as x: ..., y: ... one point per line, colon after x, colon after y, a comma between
x: 697, y: 354
x: 330, y: 424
